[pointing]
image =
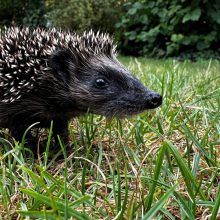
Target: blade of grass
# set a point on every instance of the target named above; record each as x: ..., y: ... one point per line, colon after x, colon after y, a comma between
x: 48, y: 145
x: 187, y: 175
x: 189, y: 179
x: 158, y: 166
x: 65, y: 178
x: 125, y: 199
x: 200, y: 147
x: 35, y: 178
x: 157, y: 206
x: 119, y: 183
x: 215, y: 210
x: 60, y: 204
x: 26, y: 131
x: 40, y: 214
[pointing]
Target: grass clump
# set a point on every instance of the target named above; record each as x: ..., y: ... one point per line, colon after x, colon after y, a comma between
x: 162, y: 164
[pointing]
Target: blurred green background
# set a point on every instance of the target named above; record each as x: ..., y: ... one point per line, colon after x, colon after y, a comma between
x: 160, y: 28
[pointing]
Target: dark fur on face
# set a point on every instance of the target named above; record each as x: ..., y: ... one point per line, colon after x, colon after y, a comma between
x: 60, y: 75
x: 109, y: 89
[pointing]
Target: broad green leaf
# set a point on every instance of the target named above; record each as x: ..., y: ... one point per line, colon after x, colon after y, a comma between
x: 192, y: 15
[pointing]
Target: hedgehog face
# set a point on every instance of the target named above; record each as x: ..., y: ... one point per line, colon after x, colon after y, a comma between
x: 103, y: 86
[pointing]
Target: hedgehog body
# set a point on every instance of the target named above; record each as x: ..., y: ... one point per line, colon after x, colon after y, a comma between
x: 55, y: 75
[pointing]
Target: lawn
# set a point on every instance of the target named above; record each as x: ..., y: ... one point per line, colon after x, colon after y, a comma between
x: 162, y: 164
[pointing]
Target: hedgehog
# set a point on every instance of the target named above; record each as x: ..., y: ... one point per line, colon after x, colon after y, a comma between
x: 50, y: 74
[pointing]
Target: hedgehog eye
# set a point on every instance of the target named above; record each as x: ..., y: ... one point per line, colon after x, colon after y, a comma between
x: 101, y: 83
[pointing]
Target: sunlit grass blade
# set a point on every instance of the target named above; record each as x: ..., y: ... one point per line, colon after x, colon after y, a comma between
x: 159, y: 162
x: 48, y: 144
x: 59, y: 204
x: 156, y: 207
x: 125, y: 198
x: 65, y: 177
x: 186, y: 173
x: 35, y: 178
x: 197, y: 143
x: 183, y: 203
x: 40, y: 214
x: 26, y: 131
x: 215, y: 210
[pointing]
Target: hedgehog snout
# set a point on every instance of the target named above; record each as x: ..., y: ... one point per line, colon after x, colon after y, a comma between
x: 152, y: 100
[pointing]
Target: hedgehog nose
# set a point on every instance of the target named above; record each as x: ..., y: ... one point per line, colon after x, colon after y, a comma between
x: 154, y: 100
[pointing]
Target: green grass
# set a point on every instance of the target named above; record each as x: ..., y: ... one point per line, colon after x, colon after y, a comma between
x: 162, y: 164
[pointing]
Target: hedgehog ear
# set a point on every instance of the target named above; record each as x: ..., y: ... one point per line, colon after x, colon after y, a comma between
x: 62, y: 61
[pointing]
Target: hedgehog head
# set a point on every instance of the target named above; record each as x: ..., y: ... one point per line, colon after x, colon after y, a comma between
x: 97, y: 82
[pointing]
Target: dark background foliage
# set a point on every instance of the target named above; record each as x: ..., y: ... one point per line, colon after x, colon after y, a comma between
x: 86, y: 14
x: 160, y: 28
x: 171, y: 28
x: 23, y: 12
